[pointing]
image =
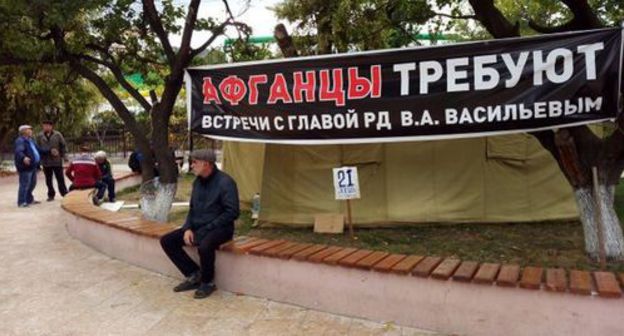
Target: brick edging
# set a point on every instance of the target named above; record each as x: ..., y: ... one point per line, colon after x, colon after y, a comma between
x: 556, y: 280
x: 601, y: 284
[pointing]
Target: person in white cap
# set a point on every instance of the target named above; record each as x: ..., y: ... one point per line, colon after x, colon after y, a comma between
x: 107, y: 174
x: 27, y: 159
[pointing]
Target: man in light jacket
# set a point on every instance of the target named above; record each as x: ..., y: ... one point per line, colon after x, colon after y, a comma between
x: 53, y: 143
x: 27, y: 160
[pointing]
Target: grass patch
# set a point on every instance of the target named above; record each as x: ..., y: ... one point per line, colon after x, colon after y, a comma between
x: 128, y: 194
x: 185, y: 182
x: 547, y: 244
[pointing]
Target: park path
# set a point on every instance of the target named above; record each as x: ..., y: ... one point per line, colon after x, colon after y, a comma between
x: 51, y: 284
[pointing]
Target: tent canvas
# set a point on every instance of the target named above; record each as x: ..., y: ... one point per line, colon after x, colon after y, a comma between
x: 508, y: 178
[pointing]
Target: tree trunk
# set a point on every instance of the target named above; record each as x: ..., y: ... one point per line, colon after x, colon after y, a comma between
x: 157, y: 194
x: 612, y: 231
x: 285, y: 41
x: 156, y: 199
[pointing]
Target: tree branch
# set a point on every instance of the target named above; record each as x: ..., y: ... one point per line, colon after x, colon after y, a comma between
x: 227, y: 8
x: 233, y: 20
x: 550, y: 30
x: 112, y: 98
x: 216, y: 32
x: 461, y: 17
x: 493, y: 20
x: 153, y: 96
x: 189, y: 26
x: 584, y: 18
x: 116, y: 71
x: 154, y: 21
x: 9, y: 59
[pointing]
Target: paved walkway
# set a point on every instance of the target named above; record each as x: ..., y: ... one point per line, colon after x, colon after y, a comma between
x: 51, y: 284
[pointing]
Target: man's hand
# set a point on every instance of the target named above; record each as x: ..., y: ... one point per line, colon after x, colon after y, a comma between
x: 189, y: 238
x: 27, y: 161
x: 54, y: 152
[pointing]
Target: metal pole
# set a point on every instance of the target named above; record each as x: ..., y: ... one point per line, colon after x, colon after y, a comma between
x: 189, y: 114
x: 190, y: 148
x: 598, y: 215
x: 349, y: 220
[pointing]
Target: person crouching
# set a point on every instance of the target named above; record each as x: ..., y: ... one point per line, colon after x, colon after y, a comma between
x: 107, y: 174
x: 85, y: 174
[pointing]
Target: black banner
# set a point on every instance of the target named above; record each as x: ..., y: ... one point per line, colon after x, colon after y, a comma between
x: 450, y: 91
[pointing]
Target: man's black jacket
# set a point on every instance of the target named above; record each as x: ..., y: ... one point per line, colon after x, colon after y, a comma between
x: 214, y: 204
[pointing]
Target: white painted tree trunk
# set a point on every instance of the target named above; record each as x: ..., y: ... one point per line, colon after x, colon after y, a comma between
x: 156, y: 199
x: 612, y: 231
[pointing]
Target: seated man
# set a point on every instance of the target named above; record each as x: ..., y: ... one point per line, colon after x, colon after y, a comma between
x: 134, y: 162
x: 85, y: 174
x: 209, y: 223
x: 107, y: 174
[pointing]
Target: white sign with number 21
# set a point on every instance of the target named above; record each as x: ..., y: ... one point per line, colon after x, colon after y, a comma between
x: 346, y: 183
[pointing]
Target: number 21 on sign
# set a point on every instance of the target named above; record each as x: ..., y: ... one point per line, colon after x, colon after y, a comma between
x: 346, y: 184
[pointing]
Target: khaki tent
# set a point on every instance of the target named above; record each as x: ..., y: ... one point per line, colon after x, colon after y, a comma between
x: 508, y: 178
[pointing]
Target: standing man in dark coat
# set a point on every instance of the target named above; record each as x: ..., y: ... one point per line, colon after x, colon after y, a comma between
x: 209, y: 223
x: 27, y: 160
x: 53, y: 143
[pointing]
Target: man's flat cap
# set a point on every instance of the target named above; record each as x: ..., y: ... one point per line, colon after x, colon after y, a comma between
x: 23, y: 127
x: 204, y: 155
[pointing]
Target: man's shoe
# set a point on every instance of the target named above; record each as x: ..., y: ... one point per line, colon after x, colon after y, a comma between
x: 192, y: 282
x: 204, y: 290
x: 96, y: 201
x: 50, y: 199
x: 35, y: 202
x: 23, y: 205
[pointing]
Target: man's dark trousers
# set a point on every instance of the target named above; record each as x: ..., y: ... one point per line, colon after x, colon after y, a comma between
x: 100, y: 186
x: 60, y: 180
x: 173, y: 242
x: 110, y: 185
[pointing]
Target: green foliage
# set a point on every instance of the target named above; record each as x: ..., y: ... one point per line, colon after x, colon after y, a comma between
x: 325, y: 26
x: 545, y: 13
x: 104, y: 41
x: 241, y: 51
x: 106, y: 121
x: 211, y: 56
x: 31, y: 94
x: 611, y: 12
